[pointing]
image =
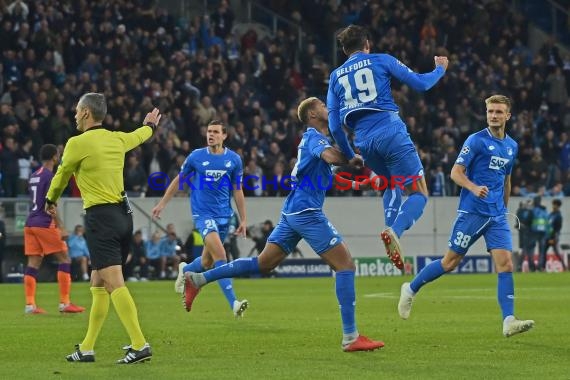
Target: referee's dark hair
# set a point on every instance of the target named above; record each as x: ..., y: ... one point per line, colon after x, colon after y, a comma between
x: 219, y: 122
x: 47, y: 152
x: 96, y: 104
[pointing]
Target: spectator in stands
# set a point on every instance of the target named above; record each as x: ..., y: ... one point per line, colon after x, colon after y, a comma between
x: 135, y: 177
x: 191, y: 69
x: 10, y: 167
x: 194, y: 245
x: 168, y: 255
x: 2, y: 244
x: 136, y: 257
x: 79, y: 253
x: 526, y: 246
x: 152, y: 247
x: 539, y: 230
x: 553, y: 237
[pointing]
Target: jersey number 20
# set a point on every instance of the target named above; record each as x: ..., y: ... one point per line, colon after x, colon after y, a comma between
x: 364, y: 82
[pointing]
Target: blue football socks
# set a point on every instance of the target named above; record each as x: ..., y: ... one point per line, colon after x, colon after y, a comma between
x: 347, y: 300
x: 226, y: 284
x: 195, y: 266
x: 411, y: 210
x: 430, y: 272
x: 392, y: 199
x: 506, y: 293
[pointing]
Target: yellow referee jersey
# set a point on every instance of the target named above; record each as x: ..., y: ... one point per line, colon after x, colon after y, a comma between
x: 97, y: 158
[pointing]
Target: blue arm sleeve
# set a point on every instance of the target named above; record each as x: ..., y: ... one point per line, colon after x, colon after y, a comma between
x: 187, y: 167
x: 419, y: 82
x: 335, y: 125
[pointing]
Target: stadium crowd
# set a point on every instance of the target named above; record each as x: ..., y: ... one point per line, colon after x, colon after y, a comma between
x: 195, y: 70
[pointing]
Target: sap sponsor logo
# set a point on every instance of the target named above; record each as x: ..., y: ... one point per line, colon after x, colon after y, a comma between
x: 498, y: 163
x: 214, y: 175
x: 465, y: 150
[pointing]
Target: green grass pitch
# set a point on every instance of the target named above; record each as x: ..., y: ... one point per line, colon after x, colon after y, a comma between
x: 292, y: 331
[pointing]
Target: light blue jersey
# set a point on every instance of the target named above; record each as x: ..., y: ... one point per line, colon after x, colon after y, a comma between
x: 311, y: 176
x: 302, y: 216
x: 488, y: 160
x: 212, y: 179
x: 362, y: 84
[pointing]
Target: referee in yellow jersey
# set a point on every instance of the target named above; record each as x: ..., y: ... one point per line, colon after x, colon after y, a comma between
x: 96, y: 157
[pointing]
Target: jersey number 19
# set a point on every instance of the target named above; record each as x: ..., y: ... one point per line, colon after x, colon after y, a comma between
x: 364, y: 82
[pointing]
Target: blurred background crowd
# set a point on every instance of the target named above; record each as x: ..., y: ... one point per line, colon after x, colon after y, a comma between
x: 204, y: 67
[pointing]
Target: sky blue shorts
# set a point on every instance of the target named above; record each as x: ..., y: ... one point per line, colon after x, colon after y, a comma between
x: 387, y: 148
x: 207, y: 225
x: 468, y: 228
x: 311, y: 225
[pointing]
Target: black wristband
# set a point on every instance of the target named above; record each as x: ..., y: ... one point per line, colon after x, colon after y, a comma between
x: 50, y: 203
x: 152, y: 125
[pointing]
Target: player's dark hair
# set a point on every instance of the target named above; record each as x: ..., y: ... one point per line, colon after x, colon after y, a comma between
x: 352, y: 38
x: 47, y: 152
x: 220, y: 123
x: 557, y: 202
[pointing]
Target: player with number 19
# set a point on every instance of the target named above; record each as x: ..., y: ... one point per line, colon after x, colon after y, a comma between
x: 360, y: 97
x: 483, y: 170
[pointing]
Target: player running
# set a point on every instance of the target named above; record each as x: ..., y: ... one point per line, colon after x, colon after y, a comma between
x: 214, y: 174
x: 302, y: 217
x: 483, y: 170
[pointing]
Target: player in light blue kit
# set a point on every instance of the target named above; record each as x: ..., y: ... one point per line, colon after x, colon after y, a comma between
x: 213, y: 174
x: 360, y: 97
x: 302, y: 217
x: 483, y: 170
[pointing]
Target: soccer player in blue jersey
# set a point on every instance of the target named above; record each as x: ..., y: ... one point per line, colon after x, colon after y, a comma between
x: 360, y: 97
x: 483, y: 170
x: 302, y: 217
x: 213, y: 174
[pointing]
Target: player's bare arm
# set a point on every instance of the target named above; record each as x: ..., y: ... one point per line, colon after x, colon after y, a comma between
x: 240, y: 203
x: 460, y: 178
x: 507, y: 190
x: 334, y: 156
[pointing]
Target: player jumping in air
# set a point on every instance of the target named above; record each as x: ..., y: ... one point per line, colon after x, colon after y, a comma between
x: 359, y: 96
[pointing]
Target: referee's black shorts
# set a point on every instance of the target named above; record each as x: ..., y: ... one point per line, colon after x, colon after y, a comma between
x: 108, y: 232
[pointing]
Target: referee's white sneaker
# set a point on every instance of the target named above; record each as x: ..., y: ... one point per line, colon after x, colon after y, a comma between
x: 179, y: 283
x: 513, y: 326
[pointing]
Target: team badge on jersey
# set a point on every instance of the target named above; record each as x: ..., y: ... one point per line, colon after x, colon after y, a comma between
x: 227, y: 163
x: 510, y: 151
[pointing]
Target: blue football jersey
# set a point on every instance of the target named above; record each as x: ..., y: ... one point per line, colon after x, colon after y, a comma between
x: 311, y: 176
x: 211, y: 179
x: 363, y: 83
x: 487, y: 160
